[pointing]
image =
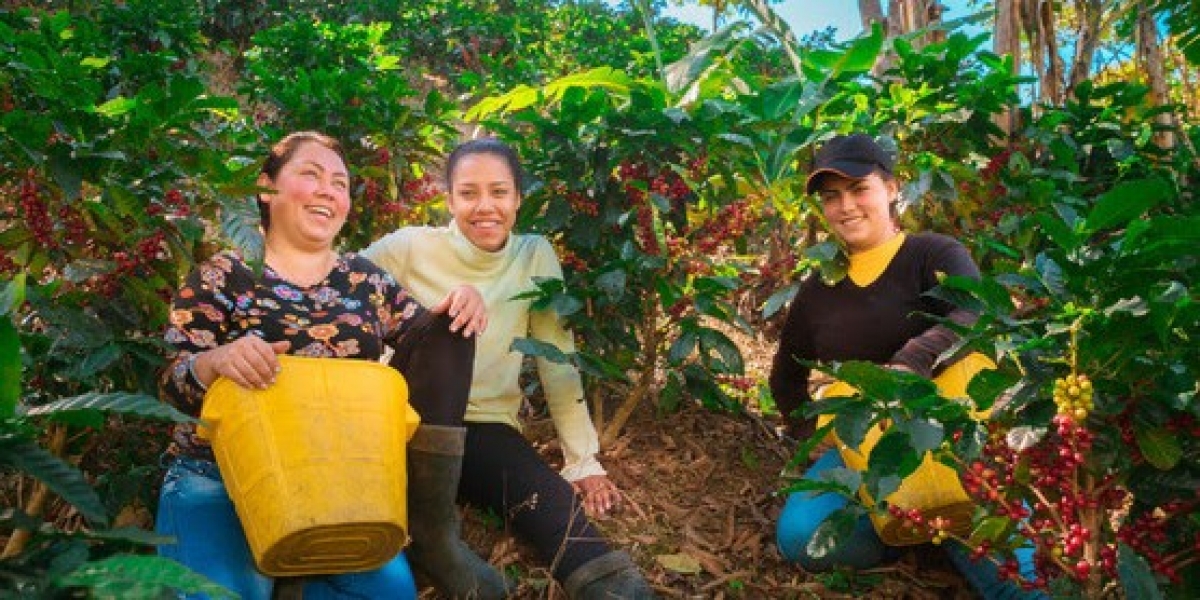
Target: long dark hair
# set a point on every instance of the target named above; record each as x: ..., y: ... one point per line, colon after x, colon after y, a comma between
x: 281, y: 154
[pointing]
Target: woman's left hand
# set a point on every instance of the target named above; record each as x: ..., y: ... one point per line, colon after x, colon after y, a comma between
x: 600, y: 494
x: 465, y: 305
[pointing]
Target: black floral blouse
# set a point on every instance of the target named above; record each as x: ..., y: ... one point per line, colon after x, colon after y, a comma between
x: 352, y: 313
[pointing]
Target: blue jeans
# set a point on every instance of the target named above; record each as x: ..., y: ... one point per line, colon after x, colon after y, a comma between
x: 194, y: 507
x: 805, y: 511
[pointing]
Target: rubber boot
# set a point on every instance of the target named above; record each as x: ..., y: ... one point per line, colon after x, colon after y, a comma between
x: 437, y: 550
x: 610, y: 577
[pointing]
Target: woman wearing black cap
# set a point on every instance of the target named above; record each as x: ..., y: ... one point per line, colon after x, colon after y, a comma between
x: 875, y: 313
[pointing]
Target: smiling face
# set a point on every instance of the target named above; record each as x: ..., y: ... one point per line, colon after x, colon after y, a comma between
x: 484, y: 199
x: 859, y: 210
x: 311, y: 197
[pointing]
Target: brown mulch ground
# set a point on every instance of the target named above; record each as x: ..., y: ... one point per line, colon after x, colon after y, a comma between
x: 702, y: 496
x: 701, y: 500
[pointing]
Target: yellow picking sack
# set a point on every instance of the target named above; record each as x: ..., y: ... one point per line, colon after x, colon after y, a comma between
x: 933, y: 487
x: 315, y: 464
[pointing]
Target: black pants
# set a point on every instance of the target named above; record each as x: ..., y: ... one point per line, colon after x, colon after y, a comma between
x: 502, y: 472
x: 437, y: 365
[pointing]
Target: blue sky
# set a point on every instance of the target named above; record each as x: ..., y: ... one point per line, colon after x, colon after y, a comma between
x: 806, y: 16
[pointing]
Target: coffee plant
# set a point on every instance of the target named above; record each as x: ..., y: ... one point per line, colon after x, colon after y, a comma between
x: 675, y: 198
x: 1090, y: 455
x: 118, y: 161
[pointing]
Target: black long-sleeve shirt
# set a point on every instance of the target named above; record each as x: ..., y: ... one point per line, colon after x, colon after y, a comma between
x: 881, y: 322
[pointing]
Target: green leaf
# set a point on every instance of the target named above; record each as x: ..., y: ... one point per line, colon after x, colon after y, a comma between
x: 863, y: 52
x: 138, y: 576
x: 671, y: 395
x: 833, y: 531
x: 683, y: 346
x: 607, y: 78
x: 893, y: 455
x: 859, y: 57
x: 1126, y: 201
x: 78, y: 271
x: 981, y: 295
x: 1160, y: 447
x: 1050, y: 274
x: 987, y: 385
x: 879, y: 383
x: 779, y: 99
x: 1057, y: 231
x: 10, y: 367
x: 847, y: 480
x: 387, y: 63
x: 1137, y: 578
x: 731, y: 357
x: 600, y: 368
x: 991, y: 529
x: 128, y: 534
x: 123, y: 403
x: 540, y: 349
x: 98, y: 360
x: 61, y: 477
x: 853, y: 423
x: 700, y: 57
x: 1135, y: 307
x: 240, y: 224
x: 566, y: 304
x: 612, y: 283
x: 95, y: 62
x: 925, y: 435
x: 779, y: 299
x: 881, y: 485
x: 117, y: 106
x: 832, y: 260
x: 67, y: 174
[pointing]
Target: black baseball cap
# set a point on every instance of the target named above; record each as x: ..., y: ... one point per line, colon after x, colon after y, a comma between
x: 854, y: 156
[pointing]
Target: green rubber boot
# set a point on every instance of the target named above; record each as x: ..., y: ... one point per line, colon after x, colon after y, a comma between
x: 612, y: 576
x: 434, y: 523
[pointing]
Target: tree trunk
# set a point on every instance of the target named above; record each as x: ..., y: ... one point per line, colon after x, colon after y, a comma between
x: 1091, y: 14
x: 897, y: 17
x: 1150, y: 59
x: 1037, y: 19
x: 1187, y: 92
x: 644, y: 388
x: 871, y: 12
x: 903, y: 18
x: 1007, y: 41
x: 932, y: 15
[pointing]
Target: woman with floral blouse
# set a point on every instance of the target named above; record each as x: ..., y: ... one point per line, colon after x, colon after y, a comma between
x: 229, y: 321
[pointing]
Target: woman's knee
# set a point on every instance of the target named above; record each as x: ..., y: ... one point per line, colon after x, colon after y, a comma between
x: 195, y: 509
x: 805, y: 512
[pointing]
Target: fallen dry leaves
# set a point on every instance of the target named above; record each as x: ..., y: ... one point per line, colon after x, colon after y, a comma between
x: 701, y: 496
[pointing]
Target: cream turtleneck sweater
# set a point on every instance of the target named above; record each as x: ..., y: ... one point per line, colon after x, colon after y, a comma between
x: 430, y: 261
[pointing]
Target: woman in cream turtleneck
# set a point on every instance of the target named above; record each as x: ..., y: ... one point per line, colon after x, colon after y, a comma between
x: 501, y: 471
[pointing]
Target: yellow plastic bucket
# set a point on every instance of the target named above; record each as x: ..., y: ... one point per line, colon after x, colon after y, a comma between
x: 933, y: 487
x: 315, y: 464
